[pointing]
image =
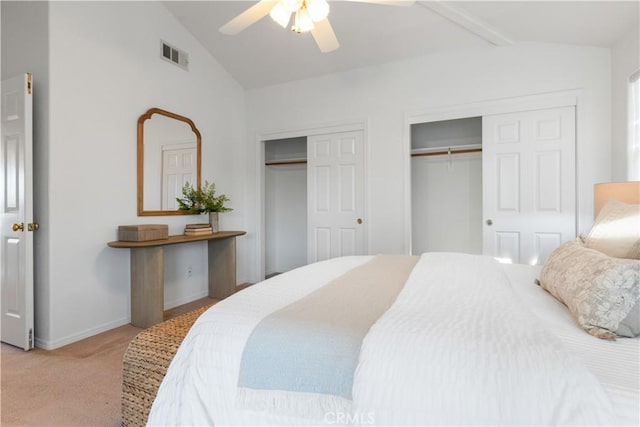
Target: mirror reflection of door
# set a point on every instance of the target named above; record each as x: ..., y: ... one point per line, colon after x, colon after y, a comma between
x: 178, y: 169
x: 169, y: 161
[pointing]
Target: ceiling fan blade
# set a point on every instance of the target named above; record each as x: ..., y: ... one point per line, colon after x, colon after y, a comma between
x: 324, y: 36
x: 387, y: 2
x: 248, y: 17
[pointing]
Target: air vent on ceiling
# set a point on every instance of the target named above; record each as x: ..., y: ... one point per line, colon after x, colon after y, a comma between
x: 174, y: 55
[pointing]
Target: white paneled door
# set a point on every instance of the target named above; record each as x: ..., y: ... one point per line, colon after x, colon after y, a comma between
x: 178, y: 168
x: 16, y: 222
x: 528, y: 183
x: 335, y: 191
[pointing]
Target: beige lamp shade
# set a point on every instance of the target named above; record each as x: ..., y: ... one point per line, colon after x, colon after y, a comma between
x: 626, y: 192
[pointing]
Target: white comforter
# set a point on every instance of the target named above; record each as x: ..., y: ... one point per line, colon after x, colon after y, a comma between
x: 456, y: 348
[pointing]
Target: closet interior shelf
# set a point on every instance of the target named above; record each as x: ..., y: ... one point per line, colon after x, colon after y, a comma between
x: 286, y: 162
x: 416, y: 153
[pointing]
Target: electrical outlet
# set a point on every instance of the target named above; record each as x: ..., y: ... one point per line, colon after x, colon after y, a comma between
x: 189, y: 271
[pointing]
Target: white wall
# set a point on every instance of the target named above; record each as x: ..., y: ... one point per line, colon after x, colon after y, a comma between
x: 105, y: 71
x: 625, y: 55
x: 382, y: 95
x: 25, y: 48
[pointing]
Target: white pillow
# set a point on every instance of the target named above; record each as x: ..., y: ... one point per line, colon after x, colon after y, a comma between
x: 616, y: 231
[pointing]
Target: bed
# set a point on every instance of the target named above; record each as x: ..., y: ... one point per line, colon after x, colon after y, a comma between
x: 464, y: 340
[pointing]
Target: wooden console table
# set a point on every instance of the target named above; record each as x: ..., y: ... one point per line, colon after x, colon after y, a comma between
x: 147, y: 272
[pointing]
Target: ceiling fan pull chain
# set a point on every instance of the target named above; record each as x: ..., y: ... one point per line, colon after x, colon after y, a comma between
x: 296, y: 26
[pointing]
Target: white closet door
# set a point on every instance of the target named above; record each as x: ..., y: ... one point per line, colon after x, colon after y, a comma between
x: 528, y: 183
x: 16, y: 221
x: 335, y: 191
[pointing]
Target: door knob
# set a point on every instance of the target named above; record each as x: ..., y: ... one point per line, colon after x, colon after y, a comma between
x: 359, y: 220
x: 489, y: 222
x: 33, y: 226
x: 16, y: 227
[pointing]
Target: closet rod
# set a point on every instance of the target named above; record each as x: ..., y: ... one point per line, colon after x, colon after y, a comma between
x: 440, y: 153
x: 286, y: 162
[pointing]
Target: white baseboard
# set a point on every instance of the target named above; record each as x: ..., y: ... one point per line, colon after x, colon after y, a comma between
x: 70, y: 339
x: 52, y: 345
x: 184, y: 300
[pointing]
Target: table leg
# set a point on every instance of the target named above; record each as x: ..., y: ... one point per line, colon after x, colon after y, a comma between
x: 222, y: 267
x: 147, y: 286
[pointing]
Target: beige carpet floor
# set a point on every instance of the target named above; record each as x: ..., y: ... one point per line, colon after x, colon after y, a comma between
x: 75, y: 385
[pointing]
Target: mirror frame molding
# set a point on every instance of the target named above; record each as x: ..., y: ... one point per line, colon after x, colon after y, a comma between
x: 146, y: 116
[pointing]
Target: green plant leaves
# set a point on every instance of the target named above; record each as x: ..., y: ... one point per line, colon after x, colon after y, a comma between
x: 202, y: 200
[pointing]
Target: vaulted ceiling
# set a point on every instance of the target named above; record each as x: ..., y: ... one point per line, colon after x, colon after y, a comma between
x: 265, y: 54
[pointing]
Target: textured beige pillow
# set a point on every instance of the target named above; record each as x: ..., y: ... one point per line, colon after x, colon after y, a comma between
x: 602, y: 293
x: 616, y: 231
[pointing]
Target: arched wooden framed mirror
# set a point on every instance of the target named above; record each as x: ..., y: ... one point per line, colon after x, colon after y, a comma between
x: 169, y: 155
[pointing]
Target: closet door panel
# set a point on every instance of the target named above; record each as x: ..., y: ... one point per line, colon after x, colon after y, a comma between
x: 535, y: 195
x: 347, y: 184
x: 508, y: 182
x: 322, y: 176
x: 347, y: 242
x: 507, y: 245
x: 335, y: 167
x: 507, y: 132
x: 548, y: 181
x: 546, y: 243
x: 322, y: 241
x: 348, y: 146
x: 321, y: 149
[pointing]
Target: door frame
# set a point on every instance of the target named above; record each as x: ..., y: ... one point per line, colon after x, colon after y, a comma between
x: 304, y: 131
x: 514, y: 104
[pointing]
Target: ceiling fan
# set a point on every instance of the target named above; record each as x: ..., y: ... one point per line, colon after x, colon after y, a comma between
x: 308, y: 15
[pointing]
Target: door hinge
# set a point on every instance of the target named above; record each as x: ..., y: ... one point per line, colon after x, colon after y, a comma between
x: 30, y: 337
x: 29, y: 83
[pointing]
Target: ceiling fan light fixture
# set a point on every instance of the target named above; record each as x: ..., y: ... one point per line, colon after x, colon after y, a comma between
x: 318, y: 9
x: 303, y: 22
x: 291, y: 5
x: 280, y: 14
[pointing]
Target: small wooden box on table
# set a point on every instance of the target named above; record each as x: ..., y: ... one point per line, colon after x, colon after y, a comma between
x: 142, y: 232
x: 147, y: 272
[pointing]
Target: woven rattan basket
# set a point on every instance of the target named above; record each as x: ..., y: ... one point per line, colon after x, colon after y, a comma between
x: 145, y: 364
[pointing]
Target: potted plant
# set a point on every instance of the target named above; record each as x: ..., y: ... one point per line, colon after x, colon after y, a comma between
x: 203, y: 200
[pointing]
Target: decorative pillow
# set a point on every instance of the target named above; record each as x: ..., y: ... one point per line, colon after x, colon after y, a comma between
x: 602, y: 293
x: 616, y: 231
